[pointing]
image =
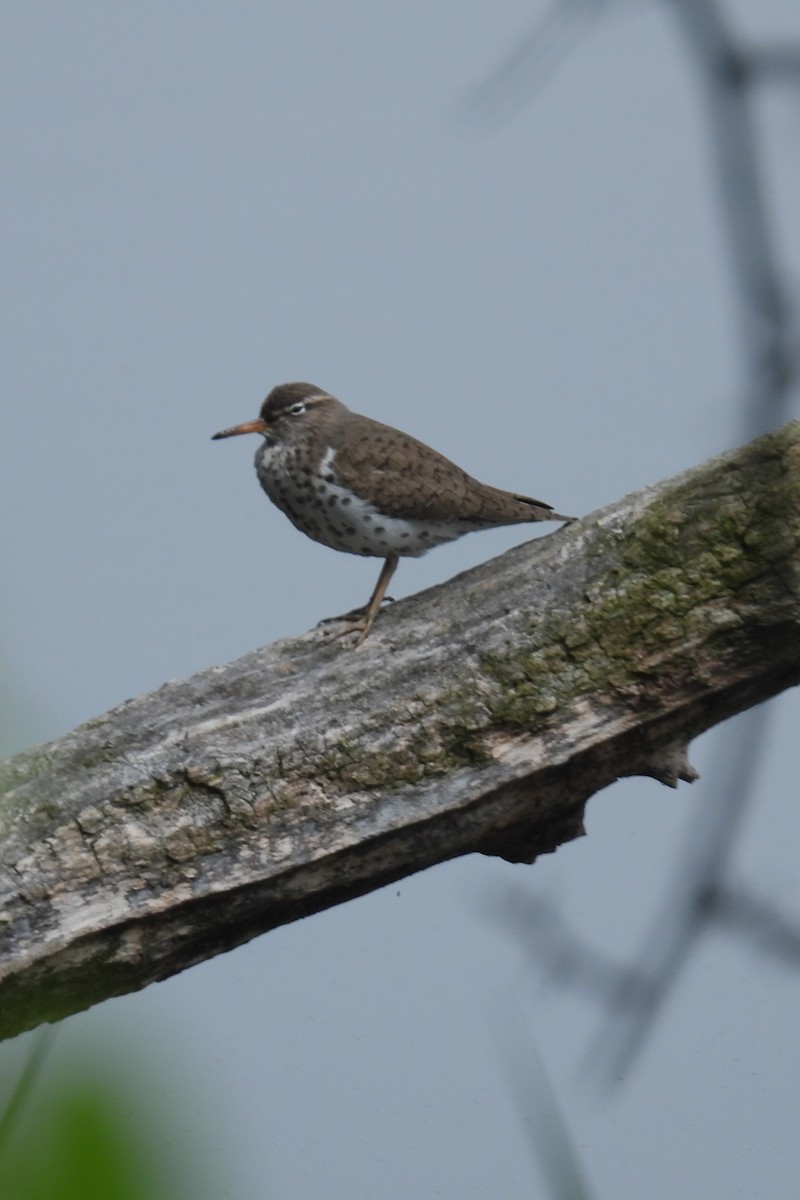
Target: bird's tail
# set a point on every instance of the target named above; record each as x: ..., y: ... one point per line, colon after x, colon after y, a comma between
x: 539, y: 511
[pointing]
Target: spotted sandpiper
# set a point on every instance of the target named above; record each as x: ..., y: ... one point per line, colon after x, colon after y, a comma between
x: 357, y: 485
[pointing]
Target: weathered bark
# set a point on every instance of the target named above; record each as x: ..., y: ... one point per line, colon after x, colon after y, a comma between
x: 479, y: 716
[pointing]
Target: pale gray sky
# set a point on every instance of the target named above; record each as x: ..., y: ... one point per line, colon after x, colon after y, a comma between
x: 201, y: 201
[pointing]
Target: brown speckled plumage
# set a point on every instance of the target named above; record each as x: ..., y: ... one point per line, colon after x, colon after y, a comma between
x: 359, y: 486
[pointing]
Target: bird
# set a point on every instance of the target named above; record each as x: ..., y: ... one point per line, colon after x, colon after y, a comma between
x: 366, y: 488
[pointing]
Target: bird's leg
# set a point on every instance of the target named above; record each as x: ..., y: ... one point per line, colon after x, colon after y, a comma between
x: 362, y: 619
x: 376, y: 599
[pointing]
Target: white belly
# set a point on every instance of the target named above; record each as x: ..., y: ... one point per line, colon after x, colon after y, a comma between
x: 328, y: 513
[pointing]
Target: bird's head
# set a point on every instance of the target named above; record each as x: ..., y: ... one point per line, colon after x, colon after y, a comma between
x: 290, y: 411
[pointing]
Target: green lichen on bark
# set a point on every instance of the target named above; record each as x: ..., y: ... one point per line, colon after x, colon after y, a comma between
x: 686, y: 570
x: 347, y: 765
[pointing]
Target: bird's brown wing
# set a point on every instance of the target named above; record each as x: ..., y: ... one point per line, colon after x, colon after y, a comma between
x: 403, y: 477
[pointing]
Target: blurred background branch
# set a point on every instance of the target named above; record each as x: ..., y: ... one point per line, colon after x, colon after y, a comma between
x: 729, y: 72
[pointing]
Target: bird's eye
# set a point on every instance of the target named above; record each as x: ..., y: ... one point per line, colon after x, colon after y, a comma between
x: 297, y: 409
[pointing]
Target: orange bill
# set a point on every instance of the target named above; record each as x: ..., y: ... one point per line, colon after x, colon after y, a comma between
x: 257, y: 426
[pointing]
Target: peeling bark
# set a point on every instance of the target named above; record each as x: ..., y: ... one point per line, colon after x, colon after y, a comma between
x: 479, y: 716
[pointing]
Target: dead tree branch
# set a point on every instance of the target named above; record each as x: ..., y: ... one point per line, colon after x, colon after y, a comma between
x: 480, y: 716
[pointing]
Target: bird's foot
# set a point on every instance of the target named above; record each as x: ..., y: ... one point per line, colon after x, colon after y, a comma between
x: 358, y: 621
x: 354, y: 614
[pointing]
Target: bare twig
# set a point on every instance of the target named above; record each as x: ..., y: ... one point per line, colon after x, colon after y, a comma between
x: 537, y: 55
